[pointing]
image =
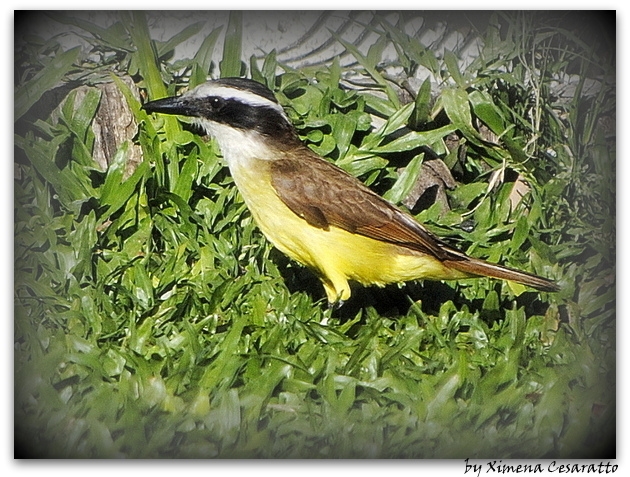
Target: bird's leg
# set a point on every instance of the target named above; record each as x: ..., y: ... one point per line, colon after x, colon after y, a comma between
x: 332, y: 306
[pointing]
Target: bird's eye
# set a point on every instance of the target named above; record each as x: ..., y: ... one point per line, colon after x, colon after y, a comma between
x: 216, y: 103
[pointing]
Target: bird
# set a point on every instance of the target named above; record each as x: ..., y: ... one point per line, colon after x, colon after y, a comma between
x: 313, y: 211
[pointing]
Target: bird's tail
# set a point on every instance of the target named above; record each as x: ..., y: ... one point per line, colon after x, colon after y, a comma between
x: 476, y: 267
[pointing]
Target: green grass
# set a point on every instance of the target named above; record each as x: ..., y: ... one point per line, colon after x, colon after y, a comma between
x: 152, y: 319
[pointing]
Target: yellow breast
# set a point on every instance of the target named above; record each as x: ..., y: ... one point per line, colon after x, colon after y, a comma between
x: 335, y: 255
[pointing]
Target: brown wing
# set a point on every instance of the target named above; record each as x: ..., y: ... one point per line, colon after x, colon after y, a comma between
x: 324, y: 195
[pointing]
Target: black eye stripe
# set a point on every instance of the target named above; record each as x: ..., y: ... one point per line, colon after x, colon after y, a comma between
x: 266, y: 120
x: 209, y: 106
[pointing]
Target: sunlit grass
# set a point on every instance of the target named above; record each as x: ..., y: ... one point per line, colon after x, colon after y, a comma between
x: 153, y: 319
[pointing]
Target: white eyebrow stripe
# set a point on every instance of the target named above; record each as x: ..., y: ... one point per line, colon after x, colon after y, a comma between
x: 247, y: 97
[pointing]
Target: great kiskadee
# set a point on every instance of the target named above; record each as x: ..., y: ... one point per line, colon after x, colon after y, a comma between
x: 312, y: 210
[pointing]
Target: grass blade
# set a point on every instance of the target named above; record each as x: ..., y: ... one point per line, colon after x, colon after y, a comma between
x: 232, y: 47
x: 29, y: 93
x: 203, y: 59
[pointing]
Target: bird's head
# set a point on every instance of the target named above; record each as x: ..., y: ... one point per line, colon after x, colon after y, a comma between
x: 232, y: 106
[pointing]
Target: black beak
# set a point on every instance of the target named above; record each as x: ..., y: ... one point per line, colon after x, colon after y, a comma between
x: 173, y: 105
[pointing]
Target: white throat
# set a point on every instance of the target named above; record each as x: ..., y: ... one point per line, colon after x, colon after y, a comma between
x: 237, y: 146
